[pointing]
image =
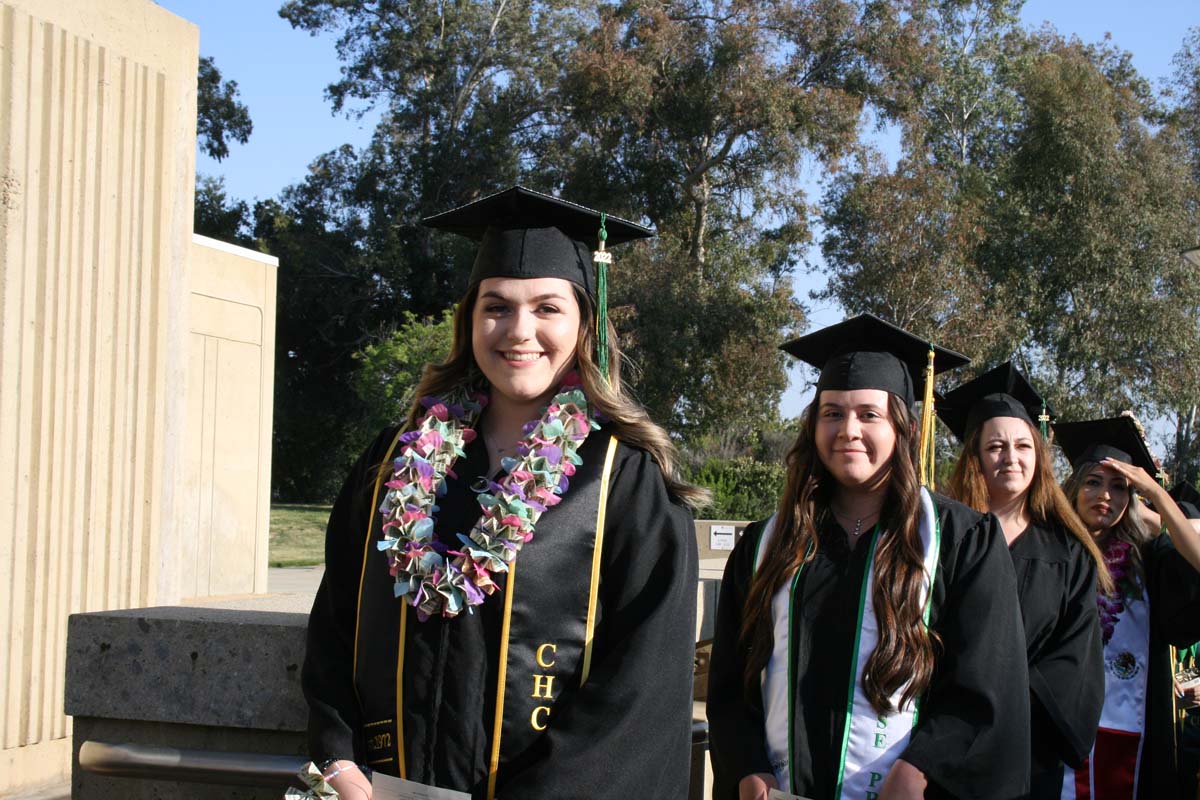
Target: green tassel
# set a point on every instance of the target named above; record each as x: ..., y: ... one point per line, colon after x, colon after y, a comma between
x: 602, y: 305
x: 1043, y: 418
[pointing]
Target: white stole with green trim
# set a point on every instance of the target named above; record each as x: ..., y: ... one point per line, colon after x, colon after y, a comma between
x: 871, y: 742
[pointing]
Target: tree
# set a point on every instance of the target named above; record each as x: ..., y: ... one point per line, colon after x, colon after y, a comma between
x: 464, y: 86
x: 329, y: 304
x: 390, y: 368
x: 218, y: 216
x: 220, y: 116
x: 1059, y: 249
x: 699, y: 115
x: 1095, y: 210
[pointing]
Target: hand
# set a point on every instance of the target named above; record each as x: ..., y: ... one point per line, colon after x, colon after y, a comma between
x: 903, y: 782
x: 1190, y: 698
x: 1138, y: 478
x: 348, y: 780
x: 756, y: 786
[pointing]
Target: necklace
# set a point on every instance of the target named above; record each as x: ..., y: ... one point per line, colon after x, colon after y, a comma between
x: 858, y: 521
x: 429, y: 575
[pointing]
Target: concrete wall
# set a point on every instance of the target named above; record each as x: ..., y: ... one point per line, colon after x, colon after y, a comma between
x: 119, y: 487
x: 97, y: 151
x: 227, y: 466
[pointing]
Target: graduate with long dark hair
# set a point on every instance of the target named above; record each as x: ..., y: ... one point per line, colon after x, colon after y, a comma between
x: 508, y: 604
x: 1155, y: 604
x: 1006, y: 468
x: 868, y: 640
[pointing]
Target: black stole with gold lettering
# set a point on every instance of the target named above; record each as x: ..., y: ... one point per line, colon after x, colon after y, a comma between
x: 549, y: 612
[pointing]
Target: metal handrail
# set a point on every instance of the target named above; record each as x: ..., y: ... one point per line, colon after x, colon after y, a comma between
x: 209, y: 766
x: 195, y: 766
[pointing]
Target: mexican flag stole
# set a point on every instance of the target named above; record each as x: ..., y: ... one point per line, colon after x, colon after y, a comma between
x: 871, y: 742
x: 550, y: 609
x: 1110, y: 771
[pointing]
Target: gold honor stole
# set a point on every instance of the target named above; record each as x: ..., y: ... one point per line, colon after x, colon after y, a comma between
x: 871, y: 742
x: 1110, y: 770
x: 550, y: 612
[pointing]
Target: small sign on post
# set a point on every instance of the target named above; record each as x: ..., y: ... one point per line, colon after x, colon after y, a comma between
x: 721, y: 537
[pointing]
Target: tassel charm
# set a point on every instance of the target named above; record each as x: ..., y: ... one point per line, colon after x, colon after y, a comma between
x: 602, y: 259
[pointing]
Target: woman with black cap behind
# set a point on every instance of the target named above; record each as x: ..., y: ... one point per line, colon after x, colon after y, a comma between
x: 1155, y: 604
x: 1006, y: 468
x: 868, y: 642
x: 509, y: 598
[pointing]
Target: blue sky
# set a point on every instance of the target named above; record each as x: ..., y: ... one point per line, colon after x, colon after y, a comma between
x: 282, y: 74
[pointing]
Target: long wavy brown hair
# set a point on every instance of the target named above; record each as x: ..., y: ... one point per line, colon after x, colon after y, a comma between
x: 633, y: 426
x: 1045, y: 501
x: 905, y: 653
x: 1127, y: 528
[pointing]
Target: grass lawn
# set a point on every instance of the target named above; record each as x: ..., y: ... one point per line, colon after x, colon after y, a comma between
x: 297, y: 535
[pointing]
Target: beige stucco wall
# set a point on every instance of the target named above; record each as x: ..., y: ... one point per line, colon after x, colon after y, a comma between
x: 126, y: 460
x: 227, y: 476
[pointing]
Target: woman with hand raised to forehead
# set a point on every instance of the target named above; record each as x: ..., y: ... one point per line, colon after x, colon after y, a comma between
x: 1153, y: 605
x: 868, y: 639
x: 509, y: 597
x: 1006, y: 468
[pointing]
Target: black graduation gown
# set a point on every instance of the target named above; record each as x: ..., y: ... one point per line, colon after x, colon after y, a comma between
x: 1174, y: 621
x: 972, y: 737
x: 1056, y: 584
x: 625, y: 732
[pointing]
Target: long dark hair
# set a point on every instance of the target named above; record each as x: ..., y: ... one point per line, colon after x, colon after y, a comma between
x: 905, y: 653
x: 1125, y: 529
x: 633, y: 426
x: 1045, y: 500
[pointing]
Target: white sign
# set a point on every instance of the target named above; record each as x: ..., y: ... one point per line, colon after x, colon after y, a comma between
x: 720, y: 537
x: 385, y: 787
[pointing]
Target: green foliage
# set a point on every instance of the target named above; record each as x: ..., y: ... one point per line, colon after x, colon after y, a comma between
x: 218, y: 216
x: 743, y: 488
x: 390, y: 368
x: 220, y: 116
x: 1055, y: 242
x: 699, y: 115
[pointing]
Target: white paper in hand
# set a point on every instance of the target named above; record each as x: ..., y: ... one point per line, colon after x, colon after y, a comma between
x: 385, y: 787
x: 775, y: 794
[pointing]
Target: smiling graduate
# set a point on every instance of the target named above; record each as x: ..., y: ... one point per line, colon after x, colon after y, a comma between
x: 508, y: 607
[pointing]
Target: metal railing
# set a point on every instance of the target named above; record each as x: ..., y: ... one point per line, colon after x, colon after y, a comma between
x: 249, y: 769
x: 196, y: 766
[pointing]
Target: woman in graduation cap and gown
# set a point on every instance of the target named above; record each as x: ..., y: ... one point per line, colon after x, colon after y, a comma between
x: 1187, y: 673
x: 1006, y: 468
x: 1155, y: 605
x: 508, y: 604
x: 868, y: 640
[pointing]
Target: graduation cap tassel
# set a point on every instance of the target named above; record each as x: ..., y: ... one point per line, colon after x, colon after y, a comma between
x: 1044, y: 421
x: 927, y: 451
x: 602, y: 259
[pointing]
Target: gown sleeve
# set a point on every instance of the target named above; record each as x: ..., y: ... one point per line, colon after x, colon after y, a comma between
x: 627, y: 731
x: 737, y: 739
x: 972, y: 734
x: 1175, y: 593
x: 327, y: 676
x: 1066, y: 677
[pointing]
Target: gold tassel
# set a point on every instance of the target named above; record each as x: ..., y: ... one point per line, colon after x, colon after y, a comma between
x: 926, y: 467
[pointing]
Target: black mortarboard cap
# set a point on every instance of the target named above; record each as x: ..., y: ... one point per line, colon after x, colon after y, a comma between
x: 527, y: 234
x: 1188, y: 498
x: 865, y: 352
x: 1000, y: 392
x: 1117, y: 438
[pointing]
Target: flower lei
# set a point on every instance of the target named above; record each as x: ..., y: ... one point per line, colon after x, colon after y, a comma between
x: 1116, y: 558
x: 435, y: 579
